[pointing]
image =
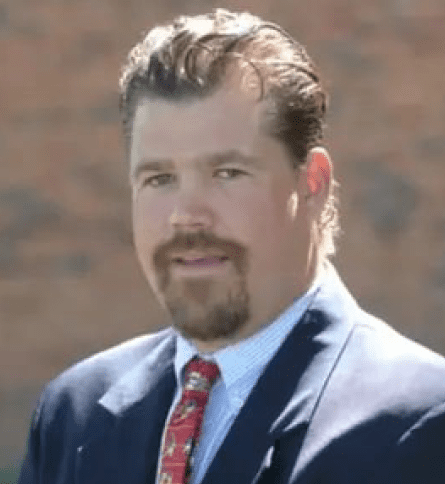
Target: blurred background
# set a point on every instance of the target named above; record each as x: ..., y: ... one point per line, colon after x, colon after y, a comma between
x: 69, y: 280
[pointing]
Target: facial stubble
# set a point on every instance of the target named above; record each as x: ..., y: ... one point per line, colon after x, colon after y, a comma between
x: 207, y: 308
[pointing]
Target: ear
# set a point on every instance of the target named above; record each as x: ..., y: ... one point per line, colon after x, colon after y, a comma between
x: 318, y: 175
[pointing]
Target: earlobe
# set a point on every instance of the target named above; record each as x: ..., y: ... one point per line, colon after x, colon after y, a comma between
x: 319, y: 169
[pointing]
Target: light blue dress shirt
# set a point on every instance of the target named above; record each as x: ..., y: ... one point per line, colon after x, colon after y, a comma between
x: 240, y: 367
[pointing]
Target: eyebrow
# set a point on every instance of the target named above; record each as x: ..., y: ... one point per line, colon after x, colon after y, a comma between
x: 214, y: 160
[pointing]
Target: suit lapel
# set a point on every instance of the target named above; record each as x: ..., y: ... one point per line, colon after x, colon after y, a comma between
x: 285, y: 396
x: 124, y: 441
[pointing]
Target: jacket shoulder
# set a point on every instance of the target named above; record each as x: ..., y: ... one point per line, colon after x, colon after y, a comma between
x: 87, y: 380
x: 382, y: 407
x: 392, y: 369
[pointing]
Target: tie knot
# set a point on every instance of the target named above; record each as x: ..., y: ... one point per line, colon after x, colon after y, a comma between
x: 200, y: 374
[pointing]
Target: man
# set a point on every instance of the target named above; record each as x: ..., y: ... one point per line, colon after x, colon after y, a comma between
x: 270, y: 372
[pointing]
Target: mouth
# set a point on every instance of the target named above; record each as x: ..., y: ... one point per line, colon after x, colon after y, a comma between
x: 199, y: 264
x: 199, y: 261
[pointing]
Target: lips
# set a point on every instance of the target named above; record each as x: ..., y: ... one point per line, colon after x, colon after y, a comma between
x: 195, y: 257
x: 199, y: 261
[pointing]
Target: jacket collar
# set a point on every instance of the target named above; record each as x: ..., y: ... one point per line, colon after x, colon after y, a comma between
x: 143, y: 379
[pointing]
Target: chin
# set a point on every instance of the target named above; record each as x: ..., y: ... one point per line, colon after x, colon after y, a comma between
x: 209, y: 324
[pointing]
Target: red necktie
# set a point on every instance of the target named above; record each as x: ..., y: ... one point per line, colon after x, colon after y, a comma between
x: 183, y: 430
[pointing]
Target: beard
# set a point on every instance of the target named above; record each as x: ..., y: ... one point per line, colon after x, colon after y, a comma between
x: 207, y: 308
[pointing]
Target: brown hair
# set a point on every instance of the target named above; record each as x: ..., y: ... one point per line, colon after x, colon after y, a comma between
x: 190, y: 58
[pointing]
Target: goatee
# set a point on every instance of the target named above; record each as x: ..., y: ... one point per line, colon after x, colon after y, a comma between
x: 204, y: 308
x: 207, y: 310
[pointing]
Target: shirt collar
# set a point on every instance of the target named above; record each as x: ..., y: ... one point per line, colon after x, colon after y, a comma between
x: 241, y: 364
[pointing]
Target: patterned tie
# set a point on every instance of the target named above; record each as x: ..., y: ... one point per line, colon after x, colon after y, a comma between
x: 184, y: 428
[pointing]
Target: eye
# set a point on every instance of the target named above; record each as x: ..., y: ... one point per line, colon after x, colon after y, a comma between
x: 230, y: 173
x: 158, y: 180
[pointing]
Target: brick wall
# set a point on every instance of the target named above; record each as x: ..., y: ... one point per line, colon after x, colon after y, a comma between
x: 69, y: 282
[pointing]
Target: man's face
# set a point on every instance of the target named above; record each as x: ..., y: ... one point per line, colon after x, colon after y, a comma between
x: 216, y: 225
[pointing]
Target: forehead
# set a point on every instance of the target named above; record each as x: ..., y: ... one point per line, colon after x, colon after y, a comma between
x: 221, y: 122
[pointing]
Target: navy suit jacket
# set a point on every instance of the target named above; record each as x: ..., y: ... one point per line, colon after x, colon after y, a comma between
x: 345, y: 400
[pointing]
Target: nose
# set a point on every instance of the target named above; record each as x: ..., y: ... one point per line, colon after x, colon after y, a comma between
x: 190, y: 214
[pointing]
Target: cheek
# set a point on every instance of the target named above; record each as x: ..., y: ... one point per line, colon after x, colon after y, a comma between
x: 245, y: 216
x: 276, y: 233
x: 260, y: 217
x: 268, y: 212
x: 148, y: 223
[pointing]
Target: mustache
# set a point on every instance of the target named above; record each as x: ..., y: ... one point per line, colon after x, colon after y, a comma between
x: 204, y: 241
